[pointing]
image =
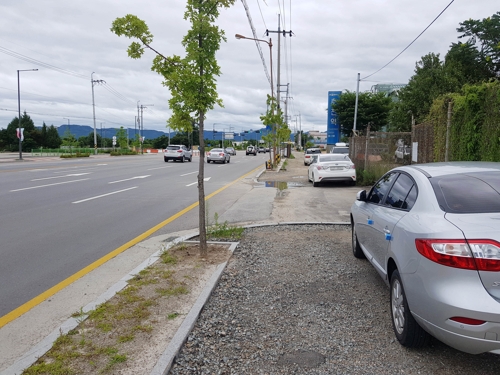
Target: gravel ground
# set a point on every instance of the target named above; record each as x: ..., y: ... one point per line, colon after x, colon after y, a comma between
x: 293, y: 300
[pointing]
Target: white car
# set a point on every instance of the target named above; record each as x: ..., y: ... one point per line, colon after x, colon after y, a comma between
x: 218, y: 154
x: 309, y: 153
x: 332, y: 167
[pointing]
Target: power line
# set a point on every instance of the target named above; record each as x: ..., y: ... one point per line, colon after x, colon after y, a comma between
x: 408, y: 46
x: 39, y: 63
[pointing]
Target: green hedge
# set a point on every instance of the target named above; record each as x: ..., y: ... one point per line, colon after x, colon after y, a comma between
x: 475, y: 130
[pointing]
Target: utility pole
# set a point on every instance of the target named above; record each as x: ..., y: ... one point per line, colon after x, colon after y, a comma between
x: 95, y: 82
x: 141, y: 126
x: 279, y: 32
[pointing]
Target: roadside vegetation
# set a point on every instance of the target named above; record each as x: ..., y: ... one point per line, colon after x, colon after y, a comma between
x: 107, y: 337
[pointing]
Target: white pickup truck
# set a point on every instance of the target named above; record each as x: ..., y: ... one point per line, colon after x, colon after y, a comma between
x: 177, y: 153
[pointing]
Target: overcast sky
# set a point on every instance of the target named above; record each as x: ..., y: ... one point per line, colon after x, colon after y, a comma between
x: 332, y: 41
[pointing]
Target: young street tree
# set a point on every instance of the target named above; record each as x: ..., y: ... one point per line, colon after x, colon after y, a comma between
x: 191, y: 79
x: 280, y: 131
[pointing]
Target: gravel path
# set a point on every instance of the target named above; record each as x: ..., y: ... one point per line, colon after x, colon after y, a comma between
x: 293, y: 300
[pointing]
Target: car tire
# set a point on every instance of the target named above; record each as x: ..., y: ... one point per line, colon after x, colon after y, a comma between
x: 356, y: 249
x: 166, y: 160
x: 315, y: 183
x: 305, y: 163
x: 228, y: 160
x: 182, y: 159
x: 406, y: 328
x: 190, y: 159
x: 208, y: 161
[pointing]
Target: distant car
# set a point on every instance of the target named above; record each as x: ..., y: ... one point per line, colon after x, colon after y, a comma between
x: 218, y: 154
x: 332, y: 167
x: 268, y: 149
x: 308, y: 153
x: 231, y: 150
x: 177, y: 153
x: 402, y: 152
x: 340, y: 148
x: 262, y: 149
x: 431, y: 233
x: 251, y: 150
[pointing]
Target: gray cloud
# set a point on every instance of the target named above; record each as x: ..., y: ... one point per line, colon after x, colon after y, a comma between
x: 333, y: 41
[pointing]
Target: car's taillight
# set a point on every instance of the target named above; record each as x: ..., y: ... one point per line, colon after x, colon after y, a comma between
x: 179, y: 150
x: 221, y: 154
x: 481, y: 255
x: 353, y: 166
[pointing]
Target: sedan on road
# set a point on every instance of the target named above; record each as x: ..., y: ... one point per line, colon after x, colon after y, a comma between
x: 331, y: 167
x: 218, y: 154
x: 432, y: 233
x: 231, y: 151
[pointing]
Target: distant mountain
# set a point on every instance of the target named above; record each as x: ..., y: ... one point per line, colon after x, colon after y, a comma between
x: 84, y: 130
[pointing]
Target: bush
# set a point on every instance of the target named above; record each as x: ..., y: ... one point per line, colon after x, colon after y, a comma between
x: 370, y: 175
x: 122, y: 152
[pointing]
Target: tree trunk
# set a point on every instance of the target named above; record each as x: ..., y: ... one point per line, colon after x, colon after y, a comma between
x: 201, y: 191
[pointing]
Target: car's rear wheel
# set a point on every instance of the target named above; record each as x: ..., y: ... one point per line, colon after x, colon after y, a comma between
x: 356, y: 249
x: 228, y: 160
x: 315, y: 183
x: 190, y: 159
x: 208, y: 161
x: 166, y: 160
x: 406, y: 328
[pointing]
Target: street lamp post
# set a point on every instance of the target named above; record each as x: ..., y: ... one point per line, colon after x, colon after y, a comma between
x: 270, y: 44
x: 19, y: 110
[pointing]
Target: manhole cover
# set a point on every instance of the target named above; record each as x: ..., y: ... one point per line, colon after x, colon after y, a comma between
x: 303, y: 358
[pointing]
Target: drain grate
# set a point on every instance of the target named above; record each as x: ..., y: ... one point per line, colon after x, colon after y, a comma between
x: 303, y: 358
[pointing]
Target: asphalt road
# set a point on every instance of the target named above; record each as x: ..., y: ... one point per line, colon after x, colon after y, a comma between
x: 59, y: 216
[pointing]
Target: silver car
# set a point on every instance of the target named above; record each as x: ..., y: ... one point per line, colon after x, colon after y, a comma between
x: 432, y: 233
x: 218, y: 154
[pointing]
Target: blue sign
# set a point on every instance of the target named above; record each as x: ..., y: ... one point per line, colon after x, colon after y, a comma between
x: 333, y: 126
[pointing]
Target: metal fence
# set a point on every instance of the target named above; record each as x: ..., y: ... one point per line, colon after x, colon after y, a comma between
x: 380, y: 147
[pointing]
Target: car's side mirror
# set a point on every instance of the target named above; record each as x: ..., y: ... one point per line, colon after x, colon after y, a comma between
x: 361, y: 196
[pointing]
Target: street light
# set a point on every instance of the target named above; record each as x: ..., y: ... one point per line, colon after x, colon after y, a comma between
x: 19, y: 110
x: 65, y: 118
x: 270, y: 44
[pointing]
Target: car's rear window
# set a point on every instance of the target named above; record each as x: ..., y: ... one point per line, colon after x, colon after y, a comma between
x: 468, y: 193
x: 216, y: 150
x: 340, y: 150
x: 313, y: 151
x: 173, y: 147
x: 334, y: 157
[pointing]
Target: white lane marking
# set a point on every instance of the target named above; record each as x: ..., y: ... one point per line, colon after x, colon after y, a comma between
x: 182, y: 175
x: 194, y: 183
x: 104, y: 195
x: 58, y: 183
x: 152, y: 169
x: 101, y: 164
x: 68, y: 175
x: 128, y: 179
x: 37, y: 170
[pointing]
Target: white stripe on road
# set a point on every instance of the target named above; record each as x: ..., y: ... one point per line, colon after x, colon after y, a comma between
x: 128, y: 179
x: 152, y: 169
x: 105, y: 195
x: 182, y: 175
x: 205, y: 179
x: 68, y: 175
x: 58, y: 183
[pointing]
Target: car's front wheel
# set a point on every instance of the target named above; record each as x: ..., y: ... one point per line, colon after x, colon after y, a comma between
x: 356, y: 249
x: 406, y: 328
